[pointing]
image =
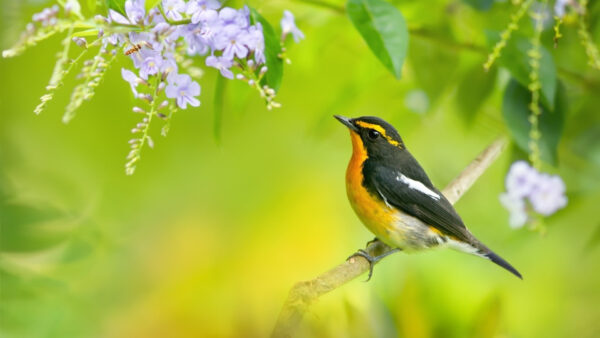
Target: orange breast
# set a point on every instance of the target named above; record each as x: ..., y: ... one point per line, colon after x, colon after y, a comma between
x: 372, y: 210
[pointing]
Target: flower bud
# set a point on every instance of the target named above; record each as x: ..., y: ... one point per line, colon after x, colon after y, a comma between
x: 81, y: 42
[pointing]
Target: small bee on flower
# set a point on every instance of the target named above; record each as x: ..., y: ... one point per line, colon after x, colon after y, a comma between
x: 137, y: 47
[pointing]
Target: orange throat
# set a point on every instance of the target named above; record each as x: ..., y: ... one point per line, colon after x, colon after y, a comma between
x: 371, y: 210
x: 354, y: 173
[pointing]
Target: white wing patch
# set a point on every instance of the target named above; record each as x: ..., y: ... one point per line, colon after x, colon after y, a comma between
x: 464, y: 247
x: 418, y: 186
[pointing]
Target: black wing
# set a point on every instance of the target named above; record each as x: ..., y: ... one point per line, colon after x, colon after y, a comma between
x: 434, y: 211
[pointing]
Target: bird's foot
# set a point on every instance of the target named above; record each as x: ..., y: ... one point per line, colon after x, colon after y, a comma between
x: 372, y: 260
x: 373, y: 241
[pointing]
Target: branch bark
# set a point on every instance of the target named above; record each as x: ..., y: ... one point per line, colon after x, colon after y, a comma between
x: 304, y: 293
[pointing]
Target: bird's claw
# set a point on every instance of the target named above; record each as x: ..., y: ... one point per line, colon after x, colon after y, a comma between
x: 374, y: 240
x: 372, y: 260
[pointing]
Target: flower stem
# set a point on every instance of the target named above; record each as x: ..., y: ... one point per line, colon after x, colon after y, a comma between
x: 506, y: 34
x: 534, y: 86
x: 135, y: 153
x: 586, y: 40
x: 557, y: 35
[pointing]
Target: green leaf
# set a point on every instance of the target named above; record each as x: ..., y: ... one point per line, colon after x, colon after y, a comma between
x: 473, y: 89
x: 482, y: 5
x: 28, y: 228
x: 514, y: 57
x: 383, y: 28
x: 151, y: 4
x: 515, y: 110
x: 272, y: 51
x: 117, y: 5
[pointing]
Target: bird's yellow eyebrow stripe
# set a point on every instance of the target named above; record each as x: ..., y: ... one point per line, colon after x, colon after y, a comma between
x: 380, y: 130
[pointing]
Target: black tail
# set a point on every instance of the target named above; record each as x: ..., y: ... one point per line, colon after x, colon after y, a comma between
x: 500, y: 261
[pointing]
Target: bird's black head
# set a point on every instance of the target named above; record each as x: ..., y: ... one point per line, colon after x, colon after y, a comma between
x: 373, y: 135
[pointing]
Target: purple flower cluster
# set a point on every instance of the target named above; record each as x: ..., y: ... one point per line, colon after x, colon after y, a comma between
x: 160, y: 41
x: 201, y: 27
x: 545, y: 193
x: 46, y: 17
x: 225, y: 33
x: 152, y: 52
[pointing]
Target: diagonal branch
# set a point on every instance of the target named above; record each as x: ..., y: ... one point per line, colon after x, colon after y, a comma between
x: 304, y: 293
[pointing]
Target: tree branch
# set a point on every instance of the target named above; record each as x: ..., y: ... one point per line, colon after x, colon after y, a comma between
x: 304, y: 293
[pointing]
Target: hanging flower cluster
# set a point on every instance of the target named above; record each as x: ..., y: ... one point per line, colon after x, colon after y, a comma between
x: 161, y: 43
x: 528, y: 191
x: 224, y: 34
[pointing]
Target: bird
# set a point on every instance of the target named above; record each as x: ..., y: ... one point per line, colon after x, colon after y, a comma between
x: 395, y: 199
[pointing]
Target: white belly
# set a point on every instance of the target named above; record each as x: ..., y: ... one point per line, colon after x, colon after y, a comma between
x: 411, y: 234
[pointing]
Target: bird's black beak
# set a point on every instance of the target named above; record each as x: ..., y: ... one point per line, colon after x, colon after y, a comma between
x: 347, y: 122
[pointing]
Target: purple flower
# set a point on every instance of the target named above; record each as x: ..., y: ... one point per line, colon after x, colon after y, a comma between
x: 197, y: 48
x: 174, y: 8
x: 521, y: 179
x: 135, y: 10
x: 168, y: 65
x: 230, y: 16
x: 162, y: 28
x: 548, y: 195
x: 198, y: 38
x: 208, y: 31
x: 243, y: 19
x: 288, y: 25
x: 222, y: 64
x: 232, y: 41
x: 151, y: 63
x: 150, y: 66
x: 130, y: 77
x: 516, y: 208
x: 183, y: 89
x: 114, y: 39
x: 135, y: 13
x: 203, y: 10
x: 256, y: 42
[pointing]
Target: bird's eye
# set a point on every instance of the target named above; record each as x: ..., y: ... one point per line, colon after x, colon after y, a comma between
x: 373, y: 134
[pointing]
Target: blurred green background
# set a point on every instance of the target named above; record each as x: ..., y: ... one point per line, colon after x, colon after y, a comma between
x: 207, y: 237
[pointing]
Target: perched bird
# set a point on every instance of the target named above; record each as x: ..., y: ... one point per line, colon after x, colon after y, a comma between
x: 394, y: 198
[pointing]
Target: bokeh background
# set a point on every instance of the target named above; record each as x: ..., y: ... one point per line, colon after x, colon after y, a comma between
x: 208, y: 236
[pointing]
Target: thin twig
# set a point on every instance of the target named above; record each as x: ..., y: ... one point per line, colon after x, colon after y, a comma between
x: 303, y: 294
